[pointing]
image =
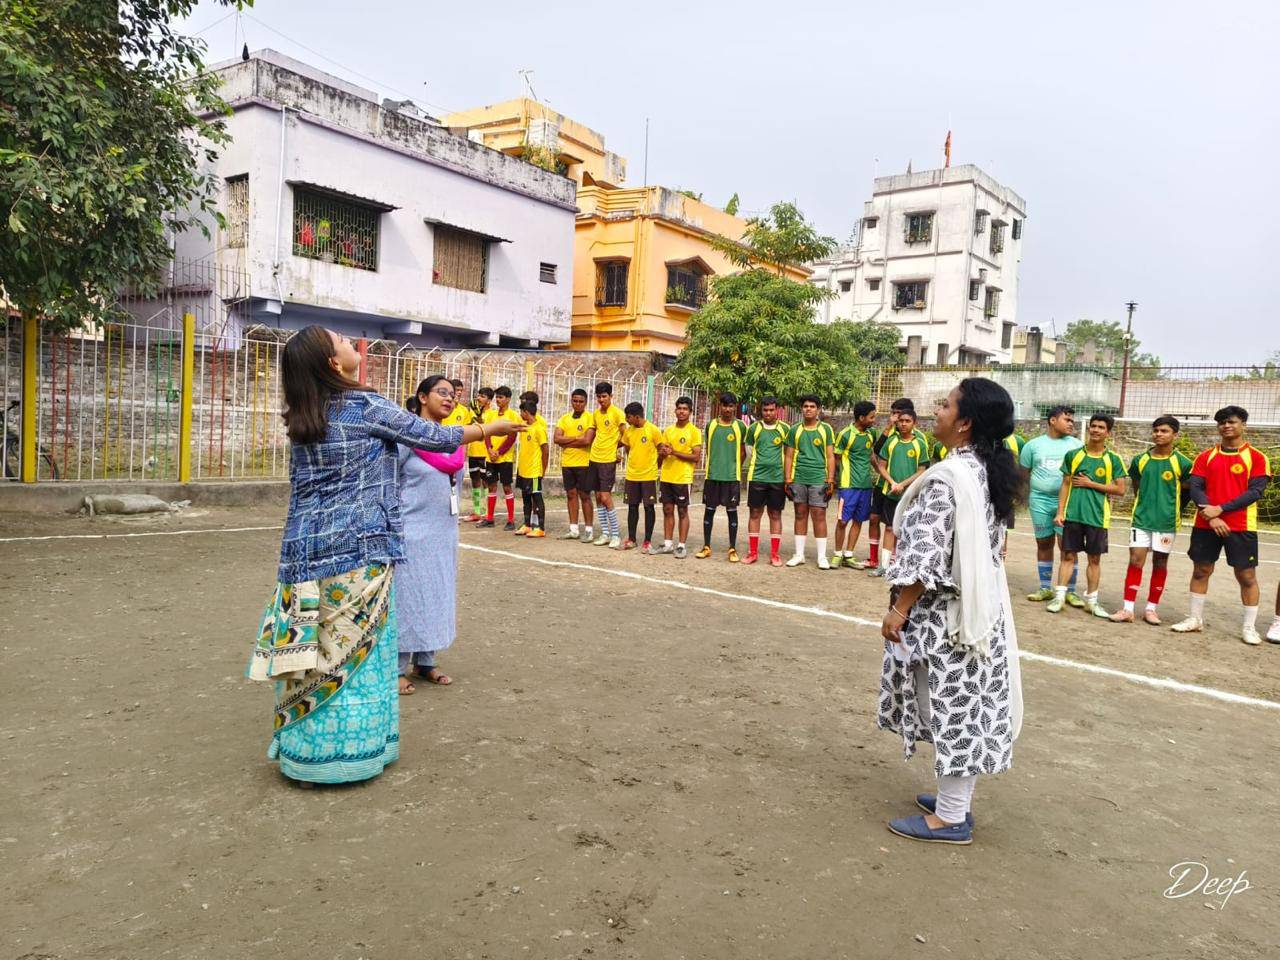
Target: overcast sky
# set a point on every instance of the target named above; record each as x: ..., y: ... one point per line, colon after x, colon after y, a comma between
x: 1141, y: 134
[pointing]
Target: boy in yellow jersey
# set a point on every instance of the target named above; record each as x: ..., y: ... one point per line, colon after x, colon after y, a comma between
x: 478, y: 455
x: 641, y: 441
x: 680, y: 452
x: 1090, y: 475
x: 723, y: 440
x: 531, y: 468
x: 602, y: 464
x: 810, y: 463
x: 855, y: 481
x: 501, y: 459
x: 766, y: 483
x: 575, y: 432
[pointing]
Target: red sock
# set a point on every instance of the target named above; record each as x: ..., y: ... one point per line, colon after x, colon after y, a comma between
x: 511, y: 508
x: 1158, y: 575
x: 873, y: 548
x: 1133, y: 580
x: 493, y: 502
x: 753, y: 544
x: 775, y: 544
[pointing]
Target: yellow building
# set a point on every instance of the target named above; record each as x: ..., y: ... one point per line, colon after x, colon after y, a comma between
x: 642, y: 257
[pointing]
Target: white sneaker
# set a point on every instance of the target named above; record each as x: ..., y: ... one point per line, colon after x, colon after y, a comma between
x: 569, y: 535
x: 615, y: 543
x: 824, y: 563
x: 1251, y: 636
x: 601, y: 540
x: 681, y: 550
x: 796, y: 561
x: 1189, y: 625
x: 1273, y: 635
x: 668, y: 548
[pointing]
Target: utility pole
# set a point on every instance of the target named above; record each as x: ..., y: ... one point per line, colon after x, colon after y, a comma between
x: 1128, y: 347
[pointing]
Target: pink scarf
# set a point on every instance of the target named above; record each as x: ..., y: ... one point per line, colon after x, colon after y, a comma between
x: 446, y: 463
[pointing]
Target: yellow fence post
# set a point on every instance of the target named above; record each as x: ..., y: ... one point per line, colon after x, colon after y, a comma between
x: 528, y: 375
x: 188, y: 394
x: 30, y: 384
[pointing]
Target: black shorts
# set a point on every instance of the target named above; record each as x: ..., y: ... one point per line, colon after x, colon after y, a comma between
x: 476, y: 467
x: 574, y: 478
x: 499, y: 473
x: 529, y: 484
x: 722, y: 493
x: 677, y: 493
x: 600, y: 477
x: 640, y: 491
x: 1082, y: 538
x: 1241, y: 547
x: 877, y: 503
x: 771, y: 496
x: 888, y: 507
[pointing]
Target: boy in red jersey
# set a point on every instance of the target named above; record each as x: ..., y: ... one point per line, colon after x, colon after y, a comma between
x: 1227, y: 481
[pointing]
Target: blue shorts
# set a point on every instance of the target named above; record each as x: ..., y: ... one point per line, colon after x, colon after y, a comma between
x: 1043, y: 510
x: 855, y: 505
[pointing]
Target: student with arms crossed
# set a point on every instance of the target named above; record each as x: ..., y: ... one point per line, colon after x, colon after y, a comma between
x: 1159, y: 479
x: 1227, y: 481
x: 680, y: 452
x: 1090, y: 476
x: 766, y: 489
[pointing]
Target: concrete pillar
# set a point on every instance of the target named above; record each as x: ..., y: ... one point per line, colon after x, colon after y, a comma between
x: 1089, y: 352
x: 914, y: 350
x: 1059, y: 352
x: 943, y: 350
x: 1035, y: 342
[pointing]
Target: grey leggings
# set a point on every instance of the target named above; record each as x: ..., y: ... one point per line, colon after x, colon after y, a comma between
x: 426, y: 659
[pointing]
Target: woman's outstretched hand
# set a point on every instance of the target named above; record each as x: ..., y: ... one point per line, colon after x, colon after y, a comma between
x: 504, y: 428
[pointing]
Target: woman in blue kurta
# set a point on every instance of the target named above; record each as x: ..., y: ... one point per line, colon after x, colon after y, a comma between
x: 328, y: 637
x: 427, y: 579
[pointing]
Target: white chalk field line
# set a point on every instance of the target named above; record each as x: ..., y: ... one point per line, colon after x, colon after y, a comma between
x: 1162, y: 683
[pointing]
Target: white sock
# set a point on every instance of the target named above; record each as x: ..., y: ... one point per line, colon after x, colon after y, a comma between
x: 680, y: 544
x: 1197, y: 606
x: 1128, y: 606
x: 666, y: 543
x: 590, y: 531
x: 573, y: 528
x: 1091, y: 598
x: 1061, y: 592
x: 1250, y: 618
x: 800, y: 545
x: 1151, y: 607
x: 822, y: 550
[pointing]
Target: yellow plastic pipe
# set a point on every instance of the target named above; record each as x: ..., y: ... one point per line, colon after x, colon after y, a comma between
x: 30, y: 383
x: 188, y: 393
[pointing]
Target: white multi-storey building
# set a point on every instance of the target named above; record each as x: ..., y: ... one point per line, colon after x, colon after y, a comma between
x: 373, y: 219
x: 937, y: 256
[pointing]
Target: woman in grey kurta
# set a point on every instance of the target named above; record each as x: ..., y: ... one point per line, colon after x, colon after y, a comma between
x: 426, y: 580
x: 950, y: 672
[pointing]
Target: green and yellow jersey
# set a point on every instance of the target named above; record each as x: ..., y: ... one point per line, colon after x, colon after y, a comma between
x: 724, y: 449
x: 809, y: 464
x: 853, y: 466
x: 1090, y: 507
x: 1157, y: 491
x: 766, y: 442
x: 902, y: 458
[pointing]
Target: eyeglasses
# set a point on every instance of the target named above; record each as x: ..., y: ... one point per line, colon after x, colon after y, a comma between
x: 446, y: 394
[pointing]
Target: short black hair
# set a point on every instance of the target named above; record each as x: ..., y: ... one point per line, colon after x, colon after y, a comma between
x: 727, y: 398
x: 910, y: 412
x: 456, y: 384
x: 810, y: 398
x: 1226, y: 413
x: 530, y: 395
x: 686, y: 401
x: 634, y: 409
x: 1106, y: 418
x: 604, y: 386
x: 579, y: 393
x: 529, y: 406
x: 503, y: 391
x: 901, y: 404
x: 768, y: 402
x: 863, y: 407
x: 1059, y: 409
x: 1166, y: 421
x: 486, y: 392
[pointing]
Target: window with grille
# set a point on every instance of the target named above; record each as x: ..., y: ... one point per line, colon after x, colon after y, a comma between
x: 611, y: 283
x: 1017, y: 229
x: 992, y: 306
x: 547, y: 272
x: 910, y: 295
x: 1006, y: 336
x: 237, y: 215
x: 980, y: 221
x: 846, y: 286
x: 870, y: 223
x: 997, y: 237
x: 686, y: 287
x: 873, y: 283
x: 974, y: 286
x: 461, y: 259
x: 334, y: 229
x: 919, y: 227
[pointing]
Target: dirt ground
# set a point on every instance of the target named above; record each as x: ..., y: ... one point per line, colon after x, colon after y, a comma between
x: 623, y: 768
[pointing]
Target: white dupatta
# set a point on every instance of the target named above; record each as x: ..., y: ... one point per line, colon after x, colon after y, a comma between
x: 983, y: 587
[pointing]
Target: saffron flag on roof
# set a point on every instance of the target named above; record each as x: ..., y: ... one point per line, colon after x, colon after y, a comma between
x: 946, y: 149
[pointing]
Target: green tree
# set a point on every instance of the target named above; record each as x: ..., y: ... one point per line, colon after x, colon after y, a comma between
x: 781, y: 238
x: 105, y: 112
x: 692, y: 195
x: 1109, y: 335
x: 876, y: 343
x: 731, y: 207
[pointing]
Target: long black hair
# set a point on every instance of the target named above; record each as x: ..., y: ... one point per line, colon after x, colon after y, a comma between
x: 989, y: 409
x: 412, y: 403
x: 310, y: 382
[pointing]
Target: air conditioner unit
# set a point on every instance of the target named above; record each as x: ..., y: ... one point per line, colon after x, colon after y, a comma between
x: 476, y: 136
x: 544, y: 133
x: 982, y: 274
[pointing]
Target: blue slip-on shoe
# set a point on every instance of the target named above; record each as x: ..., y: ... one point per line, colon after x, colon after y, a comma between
x: 929, y: 803
x: 915, y: 828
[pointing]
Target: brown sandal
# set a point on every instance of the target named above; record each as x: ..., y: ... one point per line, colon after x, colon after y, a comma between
x: 407, y: 689
x: 433, y: 675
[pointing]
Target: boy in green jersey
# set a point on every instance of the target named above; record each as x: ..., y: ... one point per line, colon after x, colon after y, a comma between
x: 853, y: 460
x: 723, y: 440
x: 1159, y: 478
x: 766, y: 488
x: 809, y: 462
x: 1090, y: 475
x: 902, y: 457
